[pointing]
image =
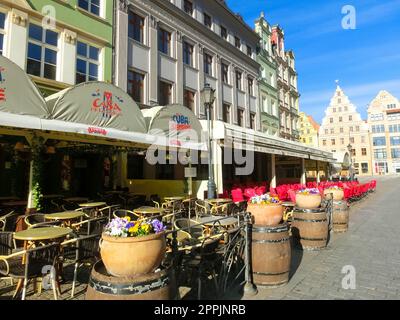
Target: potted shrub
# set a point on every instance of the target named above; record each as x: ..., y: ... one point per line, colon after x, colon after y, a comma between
x: 308, y: 198
x: 267, y: 210
x: 132, y: 248
x: 337, y: 192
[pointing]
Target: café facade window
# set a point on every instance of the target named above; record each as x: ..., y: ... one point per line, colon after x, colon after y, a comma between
x: 189, y: 99
x: 240, y: 117
x: 136, y: 27
x: 207, y: 21
x: 2, y: 31
x: 164, y: 41
x: 238, y: 80
x: 224, y: 33
x: 188, y: 7
x: 224, y: 73
x: 42, y: 52
x: 136, y: 86
x: 87, y: 63
x: 187, y: 53
x: 165, y: 93
x: 208, y: 60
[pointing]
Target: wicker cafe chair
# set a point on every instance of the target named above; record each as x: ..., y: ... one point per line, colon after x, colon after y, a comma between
x: 35, y: 260
x: 201, y: 209
x: 91, y: 226
x: 195, y: 229
x: 7, y: 244
x: 81, y: 250
x: 121, y: 213
x: 203, y: 262
x: 34, y: 218
x: 107, y: 211
x: 9, y: 221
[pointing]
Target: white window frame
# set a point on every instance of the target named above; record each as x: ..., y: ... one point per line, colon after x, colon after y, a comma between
x: 3, y: 32
x: 101, y: 9
x: 44, y: 46
x: 88, y: 60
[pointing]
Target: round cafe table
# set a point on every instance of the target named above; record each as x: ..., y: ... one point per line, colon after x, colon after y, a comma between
x: 17, y: 203
x: 65, y: 216
x: 92, y: 205
x: 148, y: 211
x: 217, y: 202
x: 217, y: 221
x: 42, y: 234
x: 76, y: 199
x: 174, y: 198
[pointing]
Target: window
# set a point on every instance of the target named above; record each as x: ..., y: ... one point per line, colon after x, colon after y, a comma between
x: 207, y: 21
x: 237, y: 42
x: 394, y: 128
x: 249, y: 51
x: 379, y: 141
x: 324, y: 142
x: 165, y: 93
x: 208, y: 64
x: 310, y: 140
x: 350, y: 118
x: 346, y: 108
x: 224, y: 71
x: 341, y: 130
x: 332, y: 130
x: 364, y: 151
x: 351, y: 129
x: 227, y: 113
x: 42, y: 52
x: 395, y: 141
x: 378, y: 128
x: 188, y: 99
x: 224, y: 33
x: 93, y: 6
x: 326, y: 131
x: 362, y: 139
x: 357, y: 128
x: 376, y: 117
x: 250, y: 86
x: 396, y: 153
x: 334, y: 109
x: 351, y: 139
x: 364, y: 167
x: 2, y: 23
x: 342, y: 141
x: 187, y: 54
x: 353, y: 152
x: 188, y: 7
x: 87, y: 63
x: 333, y: 142
x: 339, y: 100
x: 391, y: 106
x: 393, y: 116
x: 252, y: 121
x: 331, y: 120
x: 238, y: 80
x: 308, y: 131
x: 164, y: 41
x: 135, y: 27
x: 240, y: 114
x: 136, y: 86
x: 380, y: 154
x: 340, y: 119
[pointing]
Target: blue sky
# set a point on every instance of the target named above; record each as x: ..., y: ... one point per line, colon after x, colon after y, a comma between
x: 365, y: 60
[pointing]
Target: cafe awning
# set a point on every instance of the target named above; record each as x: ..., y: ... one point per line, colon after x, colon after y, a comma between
x: 175, y: 126
x: 97, y: 109
x: 21, y: 104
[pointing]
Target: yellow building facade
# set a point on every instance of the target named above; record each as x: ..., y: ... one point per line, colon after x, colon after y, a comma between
x: 309, y: 130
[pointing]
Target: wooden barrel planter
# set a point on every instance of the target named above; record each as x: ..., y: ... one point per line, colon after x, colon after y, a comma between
x: 340, y: 216
x: 271, y: 254
x: 152, y: 286
x: 310, y: 228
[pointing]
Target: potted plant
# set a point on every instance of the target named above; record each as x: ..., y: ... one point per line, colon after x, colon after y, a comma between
x: 308, y: 198
x: 129, y: 248
x: 337, y: 192
x: 267, y: 210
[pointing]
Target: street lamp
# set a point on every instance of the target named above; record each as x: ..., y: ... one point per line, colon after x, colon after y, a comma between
x: 207, y: 96
x: 350, y: 147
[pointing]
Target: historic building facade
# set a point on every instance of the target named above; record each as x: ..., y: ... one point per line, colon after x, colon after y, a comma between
x: 287, y: 86
x: 342, y: 130
x: 309, y: 130
x: 268, y: 91
x: 384, y: 126
x: 58, y: 43
x: 166, y: 52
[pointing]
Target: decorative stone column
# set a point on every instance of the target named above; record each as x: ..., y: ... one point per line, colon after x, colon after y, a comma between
x: 68, y: 57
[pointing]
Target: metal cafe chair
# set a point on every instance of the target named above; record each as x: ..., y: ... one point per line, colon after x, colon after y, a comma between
x: 9, y: 221
x: 81, y: 250
x: 90, y: 226
x: 107, y: 211
x: 28, y: 264
x: 121, y: 213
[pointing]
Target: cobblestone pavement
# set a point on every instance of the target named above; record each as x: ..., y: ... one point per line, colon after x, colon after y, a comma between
x: 371, y: 245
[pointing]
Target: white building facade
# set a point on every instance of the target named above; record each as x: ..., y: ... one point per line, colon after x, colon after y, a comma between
x: 166, y: 51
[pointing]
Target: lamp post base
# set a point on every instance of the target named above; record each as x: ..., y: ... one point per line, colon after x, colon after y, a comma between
x: 211, y: 189
x: 250, y: 289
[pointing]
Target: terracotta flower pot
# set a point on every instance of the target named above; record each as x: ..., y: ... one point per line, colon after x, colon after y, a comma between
x: 127, y: 257
x: 338, y: 194
x: 308, y: 201
x: 266, y: 214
